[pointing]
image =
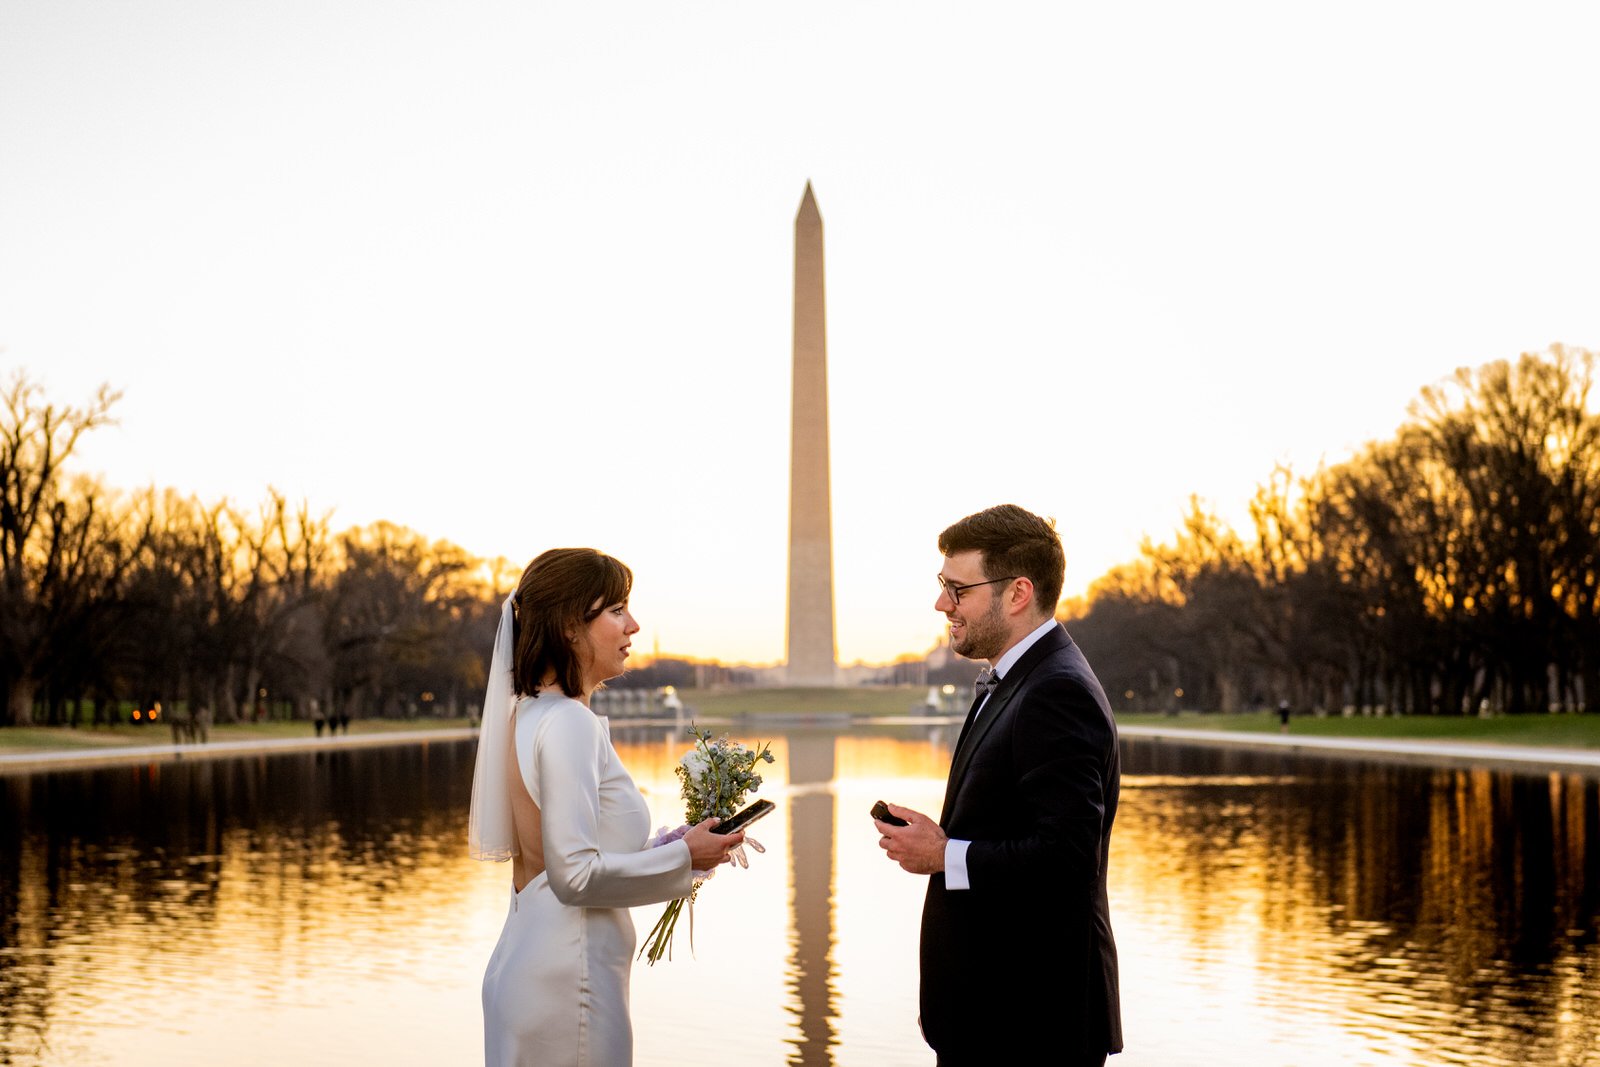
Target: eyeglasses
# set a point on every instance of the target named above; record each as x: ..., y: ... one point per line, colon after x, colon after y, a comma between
x: 953, y: 590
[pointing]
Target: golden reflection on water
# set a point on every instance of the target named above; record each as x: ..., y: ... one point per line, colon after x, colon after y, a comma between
x: 1272, y: 909
x: 1362, y: 913
x: 829, y: 977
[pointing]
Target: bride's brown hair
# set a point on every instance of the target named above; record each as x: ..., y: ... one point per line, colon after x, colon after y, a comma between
x: 561, y: 590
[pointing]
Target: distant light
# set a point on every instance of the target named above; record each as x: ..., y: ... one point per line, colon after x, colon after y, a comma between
x: 137, y: 714
x: 948, y: 689
x: 1178, y: 692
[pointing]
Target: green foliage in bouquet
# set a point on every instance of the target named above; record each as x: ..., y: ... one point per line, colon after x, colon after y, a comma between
x: 714, y: 776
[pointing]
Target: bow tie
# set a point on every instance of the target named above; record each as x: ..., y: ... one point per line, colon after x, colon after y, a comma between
x: 987, y: 682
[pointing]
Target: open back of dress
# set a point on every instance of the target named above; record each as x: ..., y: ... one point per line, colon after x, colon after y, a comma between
x: 556, y: 989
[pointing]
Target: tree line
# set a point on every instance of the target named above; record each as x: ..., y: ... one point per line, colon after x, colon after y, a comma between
x: 1451, y: 569
x: 109, y: 597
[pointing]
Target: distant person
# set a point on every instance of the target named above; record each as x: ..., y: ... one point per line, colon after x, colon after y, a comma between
x: 1283, y: 717
x: 550, y: 793
x: 1018, y: 960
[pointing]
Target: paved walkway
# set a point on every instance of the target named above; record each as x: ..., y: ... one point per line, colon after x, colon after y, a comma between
x: 1531, y: 757
x: 1528, y: 757
x: 43, y: 760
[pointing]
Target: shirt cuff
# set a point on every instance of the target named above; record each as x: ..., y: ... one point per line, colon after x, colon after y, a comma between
x: 955, y: 864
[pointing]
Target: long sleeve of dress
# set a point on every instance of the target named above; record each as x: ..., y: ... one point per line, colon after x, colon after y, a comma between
x: 566, y: 762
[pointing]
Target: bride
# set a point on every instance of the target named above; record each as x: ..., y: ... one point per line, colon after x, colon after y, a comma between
x: 550, y: 794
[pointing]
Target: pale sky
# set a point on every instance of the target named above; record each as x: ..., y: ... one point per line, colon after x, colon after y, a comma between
x: 518, y: 275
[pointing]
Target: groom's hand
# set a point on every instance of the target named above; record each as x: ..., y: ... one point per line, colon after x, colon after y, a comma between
x: 918, y: 846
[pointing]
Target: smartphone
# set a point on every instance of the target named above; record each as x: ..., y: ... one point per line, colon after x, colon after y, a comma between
x: 880, y: 811
x: 741, y: 819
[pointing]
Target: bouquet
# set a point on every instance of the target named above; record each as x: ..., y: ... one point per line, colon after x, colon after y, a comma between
x: 714, y: 777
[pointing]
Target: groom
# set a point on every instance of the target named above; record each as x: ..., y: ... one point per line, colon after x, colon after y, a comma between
x: 1018, y: 961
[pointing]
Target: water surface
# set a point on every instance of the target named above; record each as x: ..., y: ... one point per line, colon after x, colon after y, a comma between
x: 1270, y: 908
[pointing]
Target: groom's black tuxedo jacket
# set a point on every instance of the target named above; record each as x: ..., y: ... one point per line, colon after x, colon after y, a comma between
x: 1024, y: 959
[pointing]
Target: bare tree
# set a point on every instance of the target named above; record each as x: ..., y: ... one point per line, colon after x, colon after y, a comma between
x: 53, y: 541
x: 1453, y: 566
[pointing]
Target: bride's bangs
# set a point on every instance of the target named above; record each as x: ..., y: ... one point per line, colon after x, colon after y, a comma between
x: 616, y: 582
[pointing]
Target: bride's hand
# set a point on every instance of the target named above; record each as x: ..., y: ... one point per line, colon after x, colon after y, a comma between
x: 706, y: 849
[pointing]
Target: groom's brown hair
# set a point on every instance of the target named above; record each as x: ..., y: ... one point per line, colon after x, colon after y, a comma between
x: 1014, y: 542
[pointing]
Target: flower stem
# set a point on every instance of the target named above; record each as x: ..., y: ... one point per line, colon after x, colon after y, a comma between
x: 658, y: 942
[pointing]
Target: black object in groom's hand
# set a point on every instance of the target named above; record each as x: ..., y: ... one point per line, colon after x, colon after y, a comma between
x: 880, y: 811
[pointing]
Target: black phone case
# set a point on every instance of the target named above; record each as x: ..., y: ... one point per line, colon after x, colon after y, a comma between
x: 740, y: 819
x: 880, y: 811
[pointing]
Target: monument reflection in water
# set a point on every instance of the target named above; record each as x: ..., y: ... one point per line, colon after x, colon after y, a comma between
x: 1270, y: 909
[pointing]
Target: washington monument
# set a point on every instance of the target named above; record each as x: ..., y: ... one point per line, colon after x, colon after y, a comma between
x: 812, y: 658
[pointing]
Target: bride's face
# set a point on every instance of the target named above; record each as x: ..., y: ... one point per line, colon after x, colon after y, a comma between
x: 602, y: 645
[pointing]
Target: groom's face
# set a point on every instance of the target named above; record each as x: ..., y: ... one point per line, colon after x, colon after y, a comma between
x: 977, y: 624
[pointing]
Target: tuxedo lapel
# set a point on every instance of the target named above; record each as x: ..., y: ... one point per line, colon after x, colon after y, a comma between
x: 966, y: 725
x: 971, y: 737
x: 973, y: 732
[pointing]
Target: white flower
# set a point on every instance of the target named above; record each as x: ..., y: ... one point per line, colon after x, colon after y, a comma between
x: 715, y: 775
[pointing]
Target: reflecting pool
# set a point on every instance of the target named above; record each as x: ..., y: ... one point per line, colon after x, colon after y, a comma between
x: 1270, y: 908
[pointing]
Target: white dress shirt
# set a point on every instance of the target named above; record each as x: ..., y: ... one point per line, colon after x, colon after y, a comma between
x: 955, y: 852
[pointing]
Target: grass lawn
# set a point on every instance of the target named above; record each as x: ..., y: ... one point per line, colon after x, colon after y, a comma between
x: 866, y: 700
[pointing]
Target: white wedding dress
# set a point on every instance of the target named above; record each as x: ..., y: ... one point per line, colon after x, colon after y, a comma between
x: 556, y: 989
